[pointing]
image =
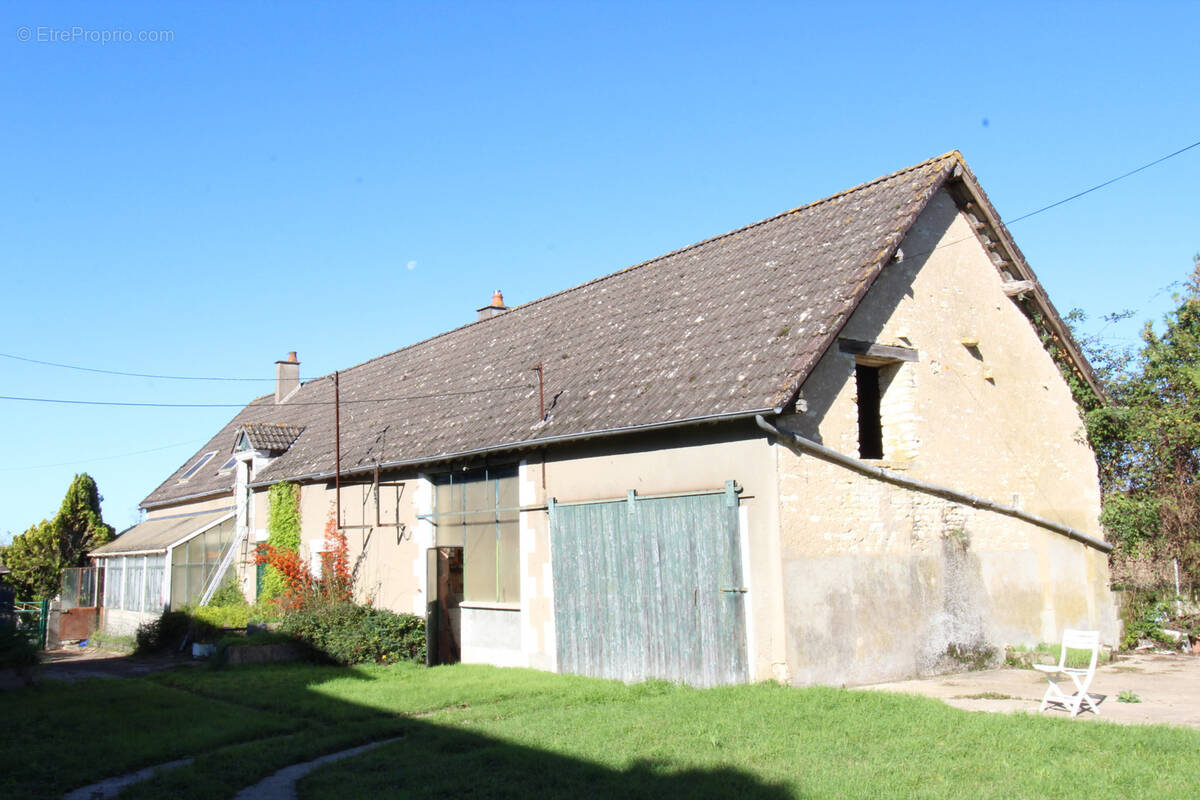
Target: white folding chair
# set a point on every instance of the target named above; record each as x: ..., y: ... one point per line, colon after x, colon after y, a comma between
x: 1080, y: 676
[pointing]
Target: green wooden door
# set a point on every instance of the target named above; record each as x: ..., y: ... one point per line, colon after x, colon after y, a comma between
x: 650, y: 587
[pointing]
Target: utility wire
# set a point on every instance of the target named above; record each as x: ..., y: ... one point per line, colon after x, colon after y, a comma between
x: 1108, y: 182
x: 244, y: 405
x: 125, y: 374
x: 1033, y: 213
x: 101, y: 458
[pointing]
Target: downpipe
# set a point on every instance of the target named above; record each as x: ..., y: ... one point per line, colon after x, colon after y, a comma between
x: 823, y: 452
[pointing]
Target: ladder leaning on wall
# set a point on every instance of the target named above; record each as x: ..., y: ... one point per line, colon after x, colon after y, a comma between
x: 226, y: 560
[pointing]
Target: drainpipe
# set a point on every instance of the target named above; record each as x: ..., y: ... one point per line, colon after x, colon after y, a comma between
x: 820, y: 451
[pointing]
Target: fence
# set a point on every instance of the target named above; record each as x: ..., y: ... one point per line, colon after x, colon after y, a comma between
x: 31, y: 619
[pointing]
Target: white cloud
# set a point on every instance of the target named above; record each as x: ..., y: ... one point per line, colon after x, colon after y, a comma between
x: 412, y: 265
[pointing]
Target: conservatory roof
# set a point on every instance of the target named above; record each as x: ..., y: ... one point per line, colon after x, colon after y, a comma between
x: 157, y: 535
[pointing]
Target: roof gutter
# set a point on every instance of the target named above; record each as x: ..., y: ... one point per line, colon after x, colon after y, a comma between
x: 974, y: 501
x: 528, y: 444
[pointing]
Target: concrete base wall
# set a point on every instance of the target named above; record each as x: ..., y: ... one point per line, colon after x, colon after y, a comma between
x: 492, y: 636
x: 116, y: 622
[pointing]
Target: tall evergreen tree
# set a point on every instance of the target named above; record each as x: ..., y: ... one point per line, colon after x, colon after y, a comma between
x: 38, y: 557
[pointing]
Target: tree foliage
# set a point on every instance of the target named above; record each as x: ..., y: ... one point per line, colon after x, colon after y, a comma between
x: 1147, y: 439
x: 38, y: 557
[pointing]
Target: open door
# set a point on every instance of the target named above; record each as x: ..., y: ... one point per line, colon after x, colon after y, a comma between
x: 444, y: 577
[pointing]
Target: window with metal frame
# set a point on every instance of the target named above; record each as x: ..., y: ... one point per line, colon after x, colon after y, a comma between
x: 478, y: 510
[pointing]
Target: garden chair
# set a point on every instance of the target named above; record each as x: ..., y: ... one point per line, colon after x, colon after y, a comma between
x: 1080, y: 676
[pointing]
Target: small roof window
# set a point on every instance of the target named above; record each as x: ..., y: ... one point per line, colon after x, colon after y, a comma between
x: 228, y: 465
x: 194, y: 468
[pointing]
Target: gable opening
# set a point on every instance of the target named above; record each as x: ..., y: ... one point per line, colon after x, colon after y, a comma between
x: 870, y: 423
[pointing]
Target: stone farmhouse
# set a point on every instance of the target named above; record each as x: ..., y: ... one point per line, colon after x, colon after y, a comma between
x: 827, y: 447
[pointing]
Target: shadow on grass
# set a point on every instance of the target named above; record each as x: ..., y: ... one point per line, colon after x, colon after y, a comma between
x: 439, y: 761
x: 432, y: 759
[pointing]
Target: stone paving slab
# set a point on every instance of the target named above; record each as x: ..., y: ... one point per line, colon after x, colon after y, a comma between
x: 1168, y: 685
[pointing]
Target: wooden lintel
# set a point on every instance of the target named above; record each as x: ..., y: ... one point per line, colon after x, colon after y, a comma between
x: 1012, y: 288
x: 884, y: 353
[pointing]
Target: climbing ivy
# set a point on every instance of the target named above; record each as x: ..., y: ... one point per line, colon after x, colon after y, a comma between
x: 283, y: 533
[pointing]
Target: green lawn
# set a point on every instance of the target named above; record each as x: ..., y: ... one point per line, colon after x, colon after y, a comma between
x: 484, y: 732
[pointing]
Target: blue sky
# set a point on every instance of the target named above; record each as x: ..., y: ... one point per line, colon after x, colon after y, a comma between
x: 345, y: 179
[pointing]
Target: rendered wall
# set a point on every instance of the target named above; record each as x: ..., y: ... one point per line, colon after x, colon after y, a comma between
x: 884, y: 583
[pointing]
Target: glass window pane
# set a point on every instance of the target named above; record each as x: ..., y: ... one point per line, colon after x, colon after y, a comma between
x: 152, y: 601
x: 510, y: 564
x: 178, y: 586
x: 479, y: 565
x: 195, y: 587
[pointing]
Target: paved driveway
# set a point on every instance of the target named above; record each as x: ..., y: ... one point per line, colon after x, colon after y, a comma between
x: 1168, y: 685
x: 74, y: 664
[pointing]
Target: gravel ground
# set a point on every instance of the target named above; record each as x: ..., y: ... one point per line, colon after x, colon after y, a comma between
x: 1168, y: 686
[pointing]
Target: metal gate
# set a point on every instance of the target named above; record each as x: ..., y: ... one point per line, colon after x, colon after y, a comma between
x: 31, y: 620
x: 650, y: 587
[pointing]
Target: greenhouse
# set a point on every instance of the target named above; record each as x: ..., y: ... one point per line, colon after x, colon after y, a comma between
x: 159, y: 564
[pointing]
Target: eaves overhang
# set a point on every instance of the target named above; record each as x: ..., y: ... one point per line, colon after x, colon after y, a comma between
x: 528, y: 444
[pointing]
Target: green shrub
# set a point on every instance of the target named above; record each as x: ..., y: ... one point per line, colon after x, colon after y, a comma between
x: 347, y: 633
x: 1144, y: 614
x: 16, y: 651
x: 170, y: 630
x: 228, y: 595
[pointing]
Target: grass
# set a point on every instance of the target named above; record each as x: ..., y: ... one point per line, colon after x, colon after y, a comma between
x: 480, y: 731
x: 58, y: 736
x: 1076, y: 659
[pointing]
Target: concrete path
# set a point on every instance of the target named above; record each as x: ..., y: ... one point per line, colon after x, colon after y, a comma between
x: 282, y: 785
x: 110, y: 787
x: 1168, y: 685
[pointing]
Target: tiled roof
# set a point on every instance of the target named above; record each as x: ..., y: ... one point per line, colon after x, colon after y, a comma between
x: 271, y: 436
x: 156, y: 535
x: 724, y: 327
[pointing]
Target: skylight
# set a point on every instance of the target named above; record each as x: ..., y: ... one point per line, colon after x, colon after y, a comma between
x: 194, y: 468
x: 228, y: 465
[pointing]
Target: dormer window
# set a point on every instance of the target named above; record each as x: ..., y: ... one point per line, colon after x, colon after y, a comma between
x: 243, y: 443
x: 199, y: 465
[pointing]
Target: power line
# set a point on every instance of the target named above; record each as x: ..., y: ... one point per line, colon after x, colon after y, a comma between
x: 244, y: 405
x: 1108, y: 182
x: 1034, y: 213
x: 100, y: 458
x: 125, y: 374
x: 1075, y: 196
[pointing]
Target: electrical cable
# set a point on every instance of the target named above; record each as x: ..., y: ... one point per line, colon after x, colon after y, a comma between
x: 101, y: 458
x: 245, y: 405
x: 1033, y: 213
x: 126, y: 374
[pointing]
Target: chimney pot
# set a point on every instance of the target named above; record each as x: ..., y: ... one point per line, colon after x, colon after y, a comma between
x: 496, y: 307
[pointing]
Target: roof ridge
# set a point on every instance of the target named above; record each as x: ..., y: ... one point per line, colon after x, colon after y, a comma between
x: 952, y: 154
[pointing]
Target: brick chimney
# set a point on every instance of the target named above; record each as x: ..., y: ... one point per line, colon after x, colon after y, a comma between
x: 496, y: 307
x: 287, y: 376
